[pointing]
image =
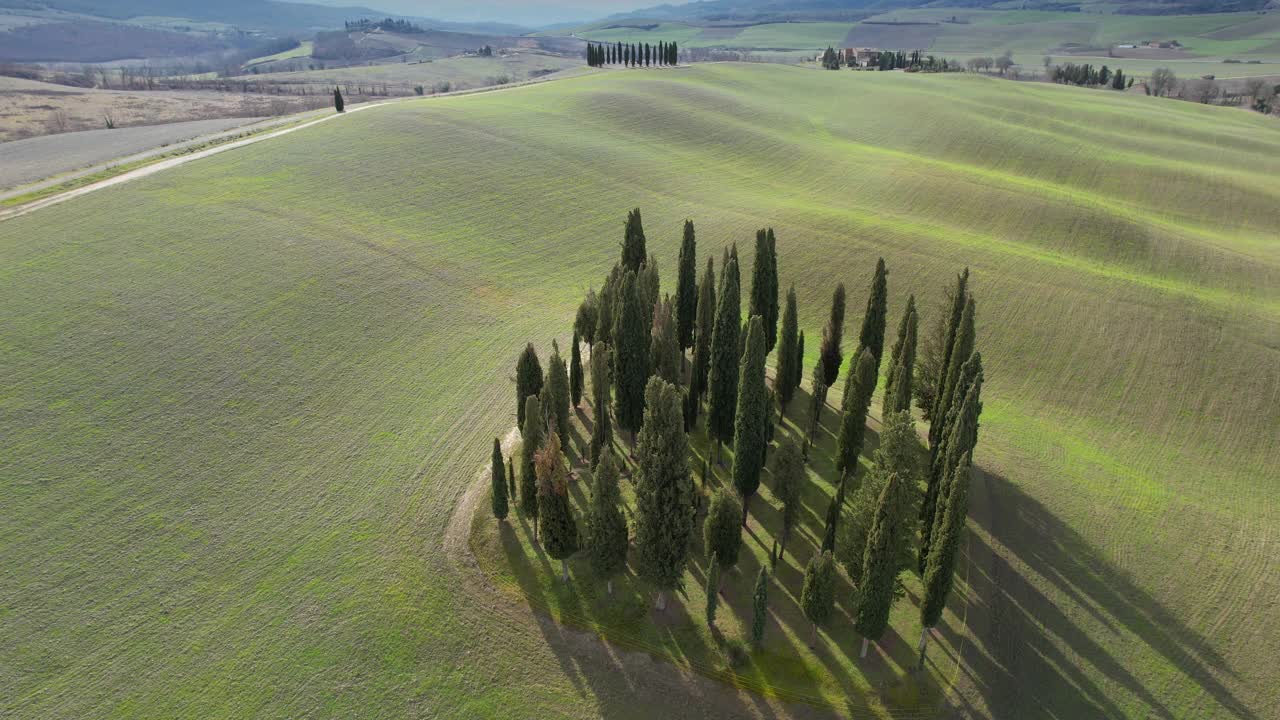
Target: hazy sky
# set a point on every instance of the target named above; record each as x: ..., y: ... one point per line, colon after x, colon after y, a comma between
x: 524, y: 12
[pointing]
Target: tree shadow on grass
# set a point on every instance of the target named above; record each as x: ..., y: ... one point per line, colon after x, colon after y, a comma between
x: 1020, y: 668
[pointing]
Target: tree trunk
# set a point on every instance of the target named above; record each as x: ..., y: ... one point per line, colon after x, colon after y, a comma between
x: 745, y: 500
x: 813, y: 637
x: 865, y: 643
x: 535, y: 529
x: 564, y: 570
x: 662, y: 600
x: 610, y: 586
x: 924, y: 643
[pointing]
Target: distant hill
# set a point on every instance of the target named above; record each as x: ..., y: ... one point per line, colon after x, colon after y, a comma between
x: 713, y: 11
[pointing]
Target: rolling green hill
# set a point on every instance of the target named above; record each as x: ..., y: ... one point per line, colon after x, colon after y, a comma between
x: 241, y: 398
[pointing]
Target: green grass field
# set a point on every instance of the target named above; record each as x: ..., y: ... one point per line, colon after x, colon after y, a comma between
x: 461, y: 72
x: 303, y: 50
x: 242, y: 398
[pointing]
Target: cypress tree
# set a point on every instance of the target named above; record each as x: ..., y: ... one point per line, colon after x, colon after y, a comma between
x: 830, y: 354
x: 528, y: 380
x: 338, y: 103
x: 783, y: 386
x: 664, y: 490
x: 958, y: 298
x: 687, y: 288
x: 532, y: 443
x: 499, y: 482
x: 704, y: 328
x: 819, y: 402
x: 647, y: 54
x: 575, y: 371
x: 871, y: 336
x: 511, y: 482
x: 675, y: 53
x: 818, y: 594
x: 764, y: 287
x: 723, y: 374
x: 617, y: 54
x: 853, y: 425
x: 939, y: 573
x: 880, y: 567
x: 558, y: 388
x: 713, y: 590
x: 962, y: 437
x: 961, y: 349
x: 902, y: 360
x: 647, y: 282
x: 834, y: 511
x: 760, y: 606
x: 607, y: 305
x: 752, y: 416
x: 798, y: 367
x: 633, y: 242
x: 601, y: 427
x: 559, y: 530
x: 722, y: 530
x: 664, y: 346
x: 788, y: 474
x: 606, y: 526
x: 631, y: 364
x: 588, y: 319
x: 898, y: 454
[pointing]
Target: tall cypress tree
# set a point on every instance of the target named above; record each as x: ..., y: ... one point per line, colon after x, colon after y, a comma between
x: 961, y: 349
x: 633, y: 242
x: 588, y: 318
x: 760, y: 606
x: 818, y: 594
x: 958, y: 298
x: 687, y: 288
x: 631, y: 364
x: 664, y: 346
x: 601, y: 426
x: 783, y: 386
x: 853, y: 425
x: 704, y: 328
x: 873, y: 320
x: 713, y: 590
x: 962, y: 438
x: 647, y: 283
x: 338, y: 103
x: 798, y: 367
x: 512, y: 497
x: 559, y: 530
x: 723, y: 375
x: 834, y: 510
x: 819, y: 402
x: 499, y: 482
x: 617, y: 54
x: 606, y: 526
x: 788, y: 475
x: 528, y: 380
x: 606, y: 301
x: 675, y: 53
x: 575, y: 371
x: 880, y: 567
x: 558, y: 385
x: 764, y: 288
x: 939, y: 573
x: 664, y: 490
x: 902, y: 360
x: 749, y: 425
x: 830, y: 354
x: 532, y: 435
x: 722, y: 530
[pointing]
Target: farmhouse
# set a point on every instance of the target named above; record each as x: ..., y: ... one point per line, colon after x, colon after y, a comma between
x: 860, y: 57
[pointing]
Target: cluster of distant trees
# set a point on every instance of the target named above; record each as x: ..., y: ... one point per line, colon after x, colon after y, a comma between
x: 386, y: 25
x: 1088, y: 75
x: 904, y: 514
x: 633, y: 54
x: 913, y: 61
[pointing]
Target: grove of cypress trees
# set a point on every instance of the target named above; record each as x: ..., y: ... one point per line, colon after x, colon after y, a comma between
x: 760, y: 606
x: 788, y: 475
x: 958, y: 297
x: 939, y: 573
x: 764, y: 287
x: 818, y: 594
x: 722, y: 530
x: 687, y: 288
x: 664, y: 346
x: 499, y: 481
x: 873, y: 321
x: 723, y: 374
x: 783, y: 386
x: 902, y: 360
x: 664, y: 490
x: 704, y: 328
x: 558, y: 387
x: 559, y: 531
x: 606, y: 527
x: 853, y: 424
x: 633, y: 243
x: 713, y: 589
x: 830, y: 354
x: 532, y: 435
x: 631, y: 363
x: 528, y: 380
x: 575, y: 371
x: 602, y: 426
x: 749, y: 427
x: 880, y: 568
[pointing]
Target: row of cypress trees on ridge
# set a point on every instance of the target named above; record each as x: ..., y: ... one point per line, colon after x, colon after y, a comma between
x: 905, y: 510
x: 633, y: 54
